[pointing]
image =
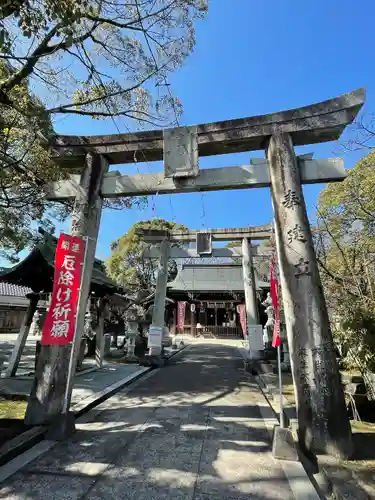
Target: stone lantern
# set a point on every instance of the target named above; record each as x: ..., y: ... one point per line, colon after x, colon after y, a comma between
x: 132, y: 320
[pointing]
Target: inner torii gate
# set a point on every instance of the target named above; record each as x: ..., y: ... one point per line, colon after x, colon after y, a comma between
x: 204, y: 239
x: 322, y: 416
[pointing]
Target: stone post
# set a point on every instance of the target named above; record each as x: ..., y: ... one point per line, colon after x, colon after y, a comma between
x: 35, y: 329
x: 50, y: 383
x: 322, y: 417
x: 160, y: 293
x: 131, y: 334
x: 285, y: 365
x: 22, y: 336
x: 251, y: 304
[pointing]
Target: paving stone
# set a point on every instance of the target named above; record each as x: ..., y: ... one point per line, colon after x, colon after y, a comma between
x: 192, y: 431
x: 45, y: 486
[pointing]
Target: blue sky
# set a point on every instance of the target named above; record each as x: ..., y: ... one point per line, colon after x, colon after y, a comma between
x: 254, y: 57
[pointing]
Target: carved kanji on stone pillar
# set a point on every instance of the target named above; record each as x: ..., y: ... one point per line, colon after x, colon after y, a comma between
x: 322, y: 416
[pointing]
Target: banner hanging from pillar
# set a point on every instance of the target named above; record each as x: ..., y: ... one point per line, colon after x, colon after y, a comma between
x: 59, y: 324
x: 181, y: 315
x: 242, y: 313
x: 275, y: 300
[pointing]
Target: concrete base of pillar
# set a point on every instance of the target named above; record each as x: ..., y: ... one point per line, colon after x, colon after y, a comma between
x: 283, y: 445
x: 63, y: 427
x: 156, y: 361
x: 130, y: 356
x: 255, y: 355
x: 286, y: 358
x: 285, y: 365
x: 107, y: 344
x: 155, y: 351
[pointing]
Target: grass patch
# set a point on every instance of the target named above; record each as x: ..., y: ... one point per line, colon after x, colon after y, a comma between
x: 12, y: 409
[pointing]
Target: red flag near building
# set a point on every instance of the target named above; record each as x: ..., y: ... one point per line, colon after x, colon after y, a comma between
x: 275, y: 300
x: 59, y: 325
x: 242, y: 313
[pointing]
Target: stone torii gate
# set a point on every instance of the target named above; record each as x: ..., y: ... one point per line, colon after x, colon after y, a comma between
x: 204, y: 239
x: 322, y: 416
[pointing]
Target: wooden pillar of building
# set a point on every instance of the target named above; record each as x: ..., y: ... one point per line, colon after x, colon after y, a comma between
x: 322, y: 415
x: 192, y: 320
x: 22, y: 336
x: 174, y: 321
x: 103, y: 309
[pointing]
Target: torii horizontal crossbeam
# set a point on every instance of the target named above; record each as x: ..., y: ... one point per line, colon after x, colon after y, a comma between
x: 211, y: 179
x: 225, y: 234
x: 320, y: 122
x: 217, y: 253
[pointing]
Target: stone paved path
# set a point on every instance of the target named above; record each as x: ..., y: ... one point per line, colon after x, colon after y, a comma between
x: 190, y: 431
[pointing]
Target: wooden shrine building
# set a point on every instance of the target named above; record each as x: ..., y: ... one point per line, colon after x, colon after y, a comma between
x: 212, y: 294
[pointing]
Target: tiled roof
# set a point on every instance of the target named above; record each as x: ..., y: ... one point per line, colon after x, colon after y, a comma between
x: 211, y: 278
x: 13, y: 290
x: 36, y: 270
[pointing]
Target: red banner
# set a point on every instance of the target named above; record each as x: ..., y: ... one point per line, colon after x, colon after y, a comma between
x: 242, y: 312
x: 59, y: 324
x: 275, y: 300
x: 181, y: 315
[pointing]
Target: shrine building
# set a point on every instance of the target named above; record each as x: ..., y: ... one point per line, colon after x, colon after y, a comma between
x: 212, y: 294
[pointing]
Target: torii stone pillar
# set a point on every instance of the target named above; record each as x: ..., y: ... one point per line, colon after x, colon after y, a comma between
x: 322, y: 415
x: 252, y: 316
x: 158, y: 313
x: 50, y: 382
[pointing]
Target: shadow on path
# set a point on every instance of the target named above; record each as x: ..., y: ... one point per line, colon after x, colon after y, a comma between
x: 191, y: 430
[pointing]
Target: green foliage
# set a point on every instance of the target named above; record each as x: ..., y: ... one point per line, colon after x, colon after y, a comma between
x: 24, y: 168
x: 100, y: 58
x: 345, y: 243
x: 127, y: 264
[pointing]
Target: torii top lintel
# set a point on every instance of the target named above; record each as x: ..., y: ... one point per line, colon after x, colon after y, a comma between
x: 320, y: 122
x: 225, y: 234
